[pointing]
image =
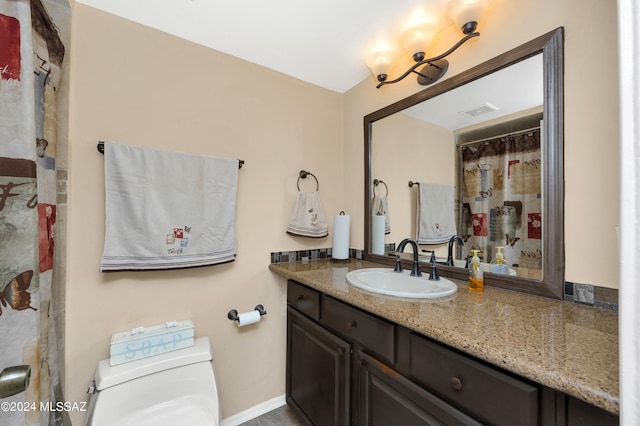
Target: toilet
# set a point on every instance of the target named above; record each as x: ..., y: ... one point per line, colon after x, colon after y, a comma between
x: 172, y: 388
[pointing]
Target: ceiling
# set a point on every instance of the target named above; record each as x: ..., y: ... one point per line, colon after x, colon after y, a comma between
x: 323, y: 42
x: 516, y: 88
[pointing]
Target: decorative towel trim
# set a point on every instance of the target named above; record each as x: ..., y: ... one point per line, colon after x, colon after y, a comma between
x: 305, y: 232
x: 123, y: 263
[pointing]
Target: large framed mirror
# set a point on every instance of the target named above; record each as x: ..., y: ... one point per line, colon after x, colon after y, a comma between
x: 421, y: 139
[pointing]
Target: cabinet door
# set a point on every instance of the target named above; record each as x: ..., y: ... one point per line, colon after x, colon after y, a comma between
x: 387, y: 398
x: 318, y: 372
x: 580, y: 413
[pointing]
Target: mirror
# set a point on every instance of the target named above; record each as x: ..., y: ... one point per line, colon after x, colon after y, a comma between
x: 402, y: 139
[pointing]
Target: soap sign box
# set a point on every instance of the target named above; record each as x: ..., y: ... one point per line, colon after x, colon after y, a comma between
x: 128, y: 346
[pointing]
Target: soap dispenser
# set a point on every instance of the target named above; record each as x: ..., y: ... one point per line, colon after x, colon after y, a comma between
x: 499, y: 265
x: 476, y: 282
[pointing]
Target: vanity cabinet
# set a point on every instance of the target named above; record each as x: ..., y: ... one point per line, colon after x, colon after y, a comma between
x: 579, y: 413
x: 346, y: 366
x: 318, y: 372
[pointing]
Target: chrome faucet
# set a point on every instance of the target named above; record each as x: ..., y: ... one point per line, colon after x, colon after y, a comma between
x: 415, y: 270
x: 450, y: 251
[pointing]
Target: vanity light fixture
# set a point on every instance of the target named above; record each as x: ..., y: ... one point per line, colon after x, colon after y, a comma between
x: 416, y: 40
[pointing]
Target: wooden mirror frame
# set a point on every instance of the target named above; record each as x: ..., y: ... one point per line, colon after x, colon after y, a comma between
x: 551, y: 45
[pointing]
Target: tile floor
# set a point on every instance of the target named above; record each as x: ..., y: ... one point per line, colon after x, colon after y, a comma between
x: 283, y: 416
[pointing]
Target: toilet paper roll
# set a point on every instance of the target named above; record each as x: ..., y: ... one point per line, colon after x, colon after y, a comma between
x: 340, y: 248
x: 247, y: 318
x: 377, y: 234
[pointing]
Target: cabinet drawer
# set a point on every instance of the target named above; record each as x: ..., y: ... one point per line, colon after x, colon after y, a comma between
x: 372, y: 332
x: 304, y: 299
x: 388, y: 398
x: 485, y: 392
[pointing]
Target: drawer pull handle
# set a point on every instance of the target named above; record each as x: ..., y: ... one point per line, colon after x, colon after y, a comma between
x: 456, y: 384
x: 300, y: 298
x: 352, y: 324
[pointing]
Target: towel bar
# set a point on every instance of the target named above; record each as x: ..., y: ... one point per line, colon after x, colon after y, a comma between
x: 101, y: 150
x: 413, y: 183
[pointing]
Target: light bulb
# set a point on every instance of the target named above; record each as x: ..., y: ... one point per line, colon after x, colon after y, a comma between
x: 467, y: 13
x: 381, y: 62
x: 416, y: 40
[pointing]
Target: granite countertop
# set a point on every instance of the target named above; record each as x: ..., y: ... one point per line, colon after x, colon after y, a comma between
x: 562, y: 345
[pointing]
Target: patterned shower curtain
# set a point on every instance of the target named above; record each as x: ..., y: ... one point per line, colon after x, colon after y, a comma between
x: 31, y: 56
x: 501, y: 199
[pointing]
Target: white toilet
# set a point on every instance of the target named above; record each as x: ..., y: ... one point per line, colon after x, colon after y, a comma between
x: 174, y: 388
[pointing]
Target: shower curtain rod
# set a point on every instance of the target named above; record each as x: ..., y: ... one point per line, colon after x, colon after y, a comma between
x: 101, y: 150
x: 519, y: 132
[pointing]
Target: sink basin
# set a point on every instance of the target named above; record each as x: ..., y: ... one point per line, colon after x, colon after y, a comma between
x: 386, y: 281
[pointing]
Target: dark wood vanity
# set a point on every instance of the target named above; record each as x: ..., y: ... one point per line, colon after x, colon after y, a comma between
x: 347, y: 366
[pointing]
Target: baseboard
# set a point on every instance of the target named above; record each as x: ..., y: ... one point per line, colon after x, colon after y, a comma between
x: 255, y: 411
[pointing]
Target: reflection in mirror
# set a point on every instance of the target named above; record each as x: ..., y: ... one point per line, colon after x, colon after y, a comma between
x: 487, y: 142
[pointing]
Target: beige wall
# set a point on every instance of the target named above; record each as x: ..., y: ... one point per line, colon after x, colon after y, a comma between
x: 590, y: 112
x: 135, y: 85
x: 421, y: 159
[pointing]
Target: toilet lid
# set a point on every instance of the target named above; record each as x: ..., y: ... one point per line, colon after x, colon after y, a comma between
x: 107, y: 376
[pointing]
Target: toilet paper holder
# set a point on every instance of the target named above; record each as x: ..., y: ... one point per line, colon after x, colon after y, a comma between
x: 233, y: 313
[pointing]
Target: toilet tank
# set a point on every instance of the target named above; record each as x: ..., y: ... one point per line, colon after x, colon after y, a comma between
x: 177, y: 387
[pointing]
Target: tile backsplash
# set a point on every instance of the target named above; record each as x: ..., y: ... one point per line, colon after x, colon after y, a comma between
x: 311, y: 254
x: 587, y: 294
x: 584, y: 294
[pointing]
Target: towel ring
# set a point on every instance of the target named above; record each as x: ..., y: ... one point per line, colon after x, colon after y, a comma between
x: 303, y: 175
x: 376, y: 182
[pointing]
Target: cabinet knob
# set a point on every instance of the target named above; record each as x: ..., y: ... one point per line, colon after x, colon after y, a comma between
x: 351, y: 324
x: 300, y: 298
x: 456, y: 384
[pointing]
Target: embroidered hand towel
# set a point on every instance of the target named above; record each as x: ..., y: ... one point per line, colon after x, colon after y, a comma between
x: 435, y: 218
x: 167, y: 210
x: 308, y: 218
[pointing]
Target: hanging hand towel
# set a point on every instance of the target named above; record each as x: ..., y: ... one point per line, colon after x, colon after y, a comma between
x: 167, y: 210
x: 379, y: 206
x: 307, y: 218
x: 435, y: 218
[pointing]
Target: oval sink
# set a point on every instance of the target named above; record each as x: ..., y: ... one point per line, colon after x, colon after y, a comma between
x: 386, y: 281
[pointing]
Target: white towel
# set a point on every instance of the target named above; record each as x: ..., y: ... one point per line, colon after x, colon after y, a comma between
x: 308, y: 218
x: 435, y: 218
x: 167, y: 210
x: 380, y: 206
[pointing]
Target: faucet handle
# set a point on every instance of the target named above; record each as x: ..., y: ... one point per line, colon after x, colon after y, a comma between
x: 398, y: 267
x: 433, y: 275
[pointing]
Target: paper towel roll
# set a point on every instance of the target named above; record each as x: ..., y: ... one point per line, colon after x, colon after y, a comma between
x: 247, y: 318
x: 377, y: 234
x: 340, y: 248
